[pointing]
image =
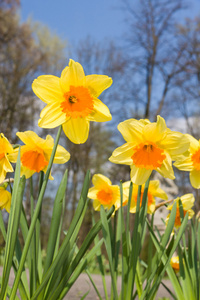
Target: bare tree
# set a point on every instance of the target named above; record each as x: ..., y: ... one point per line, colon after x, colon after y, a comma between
x: 155, y: 58
x: 23, y: 56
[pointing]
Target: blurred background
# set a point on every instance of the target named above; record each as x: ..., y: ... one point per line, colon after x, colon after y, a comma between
x: 151, y: 49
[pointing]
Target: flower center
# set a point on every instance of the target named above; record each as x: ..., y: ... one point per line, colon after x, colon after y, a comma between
x: 105, y: 196
x: 175, y: 265
x: 78, y: 102
x: 34, y: 160
x: 196, y: 160
x: 178, y: 217
x: 148, y: 155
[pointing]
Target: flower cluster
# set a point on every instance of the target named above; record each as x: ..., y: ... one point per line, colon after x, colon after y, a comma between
x: 72, y: 102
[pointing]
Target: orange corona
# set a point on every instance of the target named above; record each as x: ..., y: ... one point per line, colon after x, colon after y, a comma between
x: 34, y: 160
x: 196, y: 160
x: 78, y: 102
x: 105, y: 196
x: 148, y: 156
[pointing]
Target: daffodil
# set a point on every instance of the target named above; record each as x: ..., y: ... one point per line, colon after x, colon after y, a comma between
x: 36, y: 152
x: 191, y: 163
x: 174, y: 262
x: 150, y: 146
x: 72, y: 101
x: 5, y: 149
x: 104, y: 193
x: 5, y: 198
x: 153, y: 191
x: 187, y: 202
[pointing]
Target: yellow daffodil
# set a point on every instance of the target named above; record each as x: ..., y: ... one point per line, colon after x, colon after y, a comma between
x: 104, y: 193
x: 153, y: 191
x: 5, y: 198
x: 36, y: 152
x: 174, y: 262
x: 5, y: 149
x: 72, y: 101
x: 187, y: 202
x: 191, y: 163
x: 150, y: 146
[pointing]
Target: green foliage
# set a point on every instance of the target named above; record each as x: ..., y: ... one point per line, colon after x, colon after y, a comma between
x: 62, y: 265
x: 136, y: 275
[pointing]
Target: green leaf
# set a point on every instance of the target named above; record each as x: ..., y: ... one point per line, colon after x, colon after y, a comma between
x: 137, y: 237
x: 2, y: 227
x: 101, y: 265
x: 55, y: 222
x: 76, y: 222
x: 13, y: 224
x: 166, y: 259
x: 108, y: 245
x: 84, y: 247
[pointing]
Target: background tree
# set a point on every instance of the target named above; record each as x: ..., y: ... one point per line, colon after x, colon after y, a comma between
x: 23, y: 55
x: 155, y: 58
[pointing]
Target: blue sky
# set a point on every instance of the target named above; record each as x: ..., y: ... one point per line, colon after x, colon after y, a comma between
x: 76, y: 19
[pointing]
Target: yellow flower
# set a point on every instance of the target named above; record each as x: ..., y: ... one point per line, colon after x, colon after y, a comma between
x: 187, y: 202
x: 5, y: 149
x: 104, y: 193
x: 153, y: 191
x: 72, y: 100
x: 191, y: 163
x: 174, y: 262
x: 36, y: 152
x: 5, y: 198
x: 150, y: 146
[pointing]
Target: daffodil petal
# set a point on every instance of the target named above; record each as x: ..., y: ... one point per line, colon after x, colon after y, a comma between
x: 27, y: 172
x: 155, y: 131
x: 96, y: 205
x: 187, y: 201
x: 132, y: 130
x: 176, y: 143
x: 194, y: 143
x: 5, y: 199
x: 100, y: 113
x: 52, y: 116
x: 3, y: 196
x: 139, y: 175
x: 29, y: 137
x: 13, y: 156
x: 6, y: 165
x: 122, y: 155
x: 195, y: 178
x: 72, y: 75
x: 7, y: 205
x: 156, y: 191
x: 184, y: 165
x: 61, y: 156
x: 77, y: 130
x: 98, y: 179
x: 151, y: 208
x: 47, y: 88
x: 92, y: 193
x: 159, y: 193
x: 5, y: 145
x: 166, y: 169
x: 97, y: 83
